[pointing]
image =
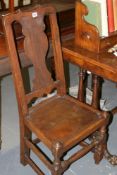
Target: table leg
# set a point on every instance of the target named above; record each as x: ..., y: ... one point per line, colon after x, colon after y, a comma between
x: 97, y: 83
x: 96, y: 86
x: 82, y: 85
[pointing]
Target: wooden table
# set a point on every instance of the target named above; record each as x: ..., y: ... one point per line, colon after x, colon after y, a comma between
x: 103, y: 65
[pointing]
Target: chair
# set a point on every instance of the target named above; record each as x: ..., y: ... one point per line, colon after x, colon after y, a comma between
x: 64, y: 10
x: 60, y: 121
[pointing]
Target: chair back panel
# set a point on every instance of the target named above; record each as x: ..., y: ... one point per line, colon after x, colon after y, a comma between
x: 35, y: 49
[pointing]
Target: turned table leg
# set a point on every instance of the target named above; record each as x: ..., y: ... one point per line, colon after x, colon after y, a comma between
x: 96, y: 86
x: 82, y: 85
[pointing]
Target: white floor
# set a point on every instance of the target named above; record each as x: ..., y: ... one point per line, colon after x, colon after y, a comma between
x: 9, y: 155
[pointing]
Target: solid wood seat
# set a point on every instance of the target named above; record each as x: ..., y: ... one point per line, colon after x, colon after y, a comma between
x: 61, y: 121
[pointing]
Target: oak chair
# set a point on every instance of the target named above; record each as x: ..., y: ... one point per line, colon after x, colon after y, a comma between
x: 65, y: 15
x: 61, y: 121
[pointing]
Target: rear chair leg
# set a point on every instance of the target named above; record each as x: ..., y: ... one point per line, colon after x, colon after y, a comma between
x: 24, y: 131
x: 24, y: 150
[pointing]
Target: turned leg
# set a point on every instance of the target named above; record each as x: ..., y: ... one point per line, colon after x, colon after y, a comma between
x: 112, y: 159
x: 57, y: 153
x: 82, y: 85
x: 100, y: 149
x: 102, y: 138
x: 97, y: 83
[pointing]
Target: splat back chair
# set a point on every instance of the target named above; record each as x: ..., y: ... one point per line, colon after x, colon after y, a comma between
x: 61, y: 121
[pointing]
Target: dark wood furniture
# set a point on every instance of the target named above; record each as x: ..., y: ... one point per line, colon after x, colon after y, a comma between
x: 61, y: 121
x: 65, y: 16
x: 90, y: 52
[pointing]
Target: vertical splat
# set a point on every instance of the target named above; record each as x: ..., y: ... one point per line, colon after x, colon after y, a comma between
x: 36, y: 47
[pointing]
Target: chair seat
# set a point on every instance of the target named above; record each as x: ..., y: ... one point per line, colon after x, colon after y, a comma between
x: 61, y: 119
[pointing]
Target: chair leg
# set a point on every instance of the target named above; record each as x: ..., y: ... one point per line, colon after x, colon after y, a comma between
x: 24, y: 150
x: 57, y: 153
x: 100, y: 149
x: 24, y: 132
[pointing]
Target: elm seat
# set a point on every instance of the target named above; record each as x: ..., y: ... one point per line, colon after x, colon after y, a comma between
x: 61, y: 121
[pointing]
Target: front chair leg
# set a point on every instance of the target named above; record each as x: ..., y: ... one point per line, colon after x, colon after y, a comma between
x: 101, y: 136
x: 57, y: 149
x: 100, y: 148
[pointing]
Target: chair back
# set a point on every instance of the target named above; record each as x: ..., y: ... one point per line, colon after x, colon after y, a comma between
x: 35, y: 49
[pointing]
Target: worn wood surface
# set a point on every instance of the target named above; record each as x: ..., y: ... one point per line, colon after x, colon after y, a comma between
x: 87, y: 34
x: 65, y: 15
x: 92, y: 53
x: 60, y: 122
x: 104, y: 64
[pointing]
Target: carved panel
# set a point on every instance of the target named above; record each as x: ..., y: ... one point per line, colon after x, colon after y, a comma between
x: 36, y: 46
